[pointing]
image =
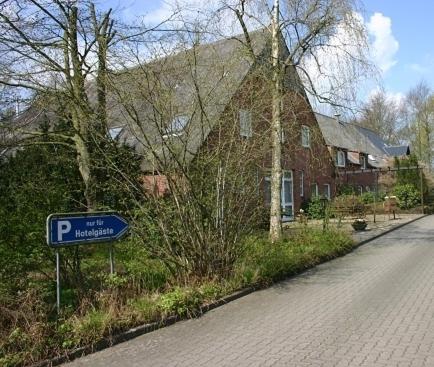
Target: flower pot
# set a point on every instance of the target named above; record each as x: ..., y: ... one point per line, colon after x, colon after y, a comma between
x: 359, y: 225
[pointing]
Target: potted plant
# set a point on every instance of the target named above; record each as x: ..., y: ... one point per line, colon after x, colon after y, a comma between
x: 359, y: 224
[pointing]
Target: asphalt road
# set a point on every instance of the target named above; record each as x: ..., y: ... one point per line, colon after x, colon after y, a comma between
x: 373, y: 307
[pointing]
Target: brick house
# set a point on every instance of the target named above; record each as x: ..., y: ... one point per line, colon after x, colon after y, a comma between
x: 193, y: 100
x: 215, y: 93
x: 358, y: 153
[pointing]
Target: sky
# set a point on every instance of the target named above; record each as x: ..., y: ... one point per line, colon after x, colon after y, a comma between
x: 400, y: 34
x: 404, y: 33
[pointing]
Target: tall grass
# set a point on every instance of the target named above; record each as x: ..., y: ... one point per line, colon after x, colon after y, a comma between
x: 143, y: 291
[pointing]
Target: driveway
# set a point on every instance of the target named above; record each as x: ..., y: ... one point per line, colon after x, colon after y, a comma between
x: 373, y: 307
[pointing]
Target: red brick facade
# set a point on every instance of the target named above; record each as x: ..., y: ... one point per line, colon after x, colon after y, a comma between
x: 313, y: 164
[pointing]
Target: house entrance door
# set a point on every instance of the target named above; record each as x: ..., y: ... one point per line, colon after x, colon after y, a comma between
x: 287, y: 196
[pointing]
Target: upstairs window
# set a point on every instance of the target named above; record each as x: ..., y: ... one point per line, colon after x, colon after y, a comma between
x: 340, y: 158
x: 363, y: 161
x: 305, y: 136
x: 245, y: 123
x: 176, y: 126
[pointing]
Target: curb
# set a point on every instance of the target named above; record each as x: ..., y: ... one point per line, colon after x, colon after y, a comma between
x: 358, y: 244
x: 137, y: 331
x: 147, y: 328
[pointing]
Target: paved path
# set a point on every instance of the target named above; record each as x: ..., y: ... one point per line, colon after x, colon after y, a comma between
x: 373, y: 307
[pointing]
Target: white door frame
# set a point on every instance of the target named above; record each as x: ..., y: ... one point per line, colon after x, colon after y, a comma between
x: 283, y: 203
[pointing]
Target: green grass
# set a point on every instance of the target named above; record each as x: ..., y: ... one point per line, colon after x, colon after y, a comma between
x: 265, y: 262
x: 145, y: 292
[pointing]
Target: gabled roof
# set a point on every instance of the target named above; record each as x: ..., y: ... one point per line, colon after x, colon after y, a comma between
x: 346, y: 136
x: 398, y: 150
x: 195, y: 84
x: 356, y: 138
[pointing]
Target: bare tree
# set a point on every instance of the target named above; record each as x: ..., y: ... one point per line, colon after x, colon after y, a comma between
x: 181, y: 112
x: 53, y: 48
x: 420, y: 114
x: 383, y: 115
x: 302, y: 33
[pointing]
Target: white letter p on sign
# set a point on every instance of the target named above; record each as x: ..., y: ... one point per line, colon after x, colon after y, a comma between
x: 63, y: 227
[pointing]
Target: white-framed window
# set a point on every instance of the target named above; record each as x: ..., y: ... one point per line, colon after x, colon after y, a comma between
x: 363, y: 161
x: 367, y: 189
x: 305, y: 136
x: 314, y: 189
x: 176, y: 126
x: 245, y: 117
x: 302, y: 183
x: 114, y: 132
x: 340, y: 158
x: 286, y: 194
x: 327, y: 193
x: 360, y: 189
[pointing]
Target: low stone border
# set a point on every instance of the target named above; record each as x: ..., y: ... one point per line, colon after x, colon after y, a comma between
x: 382, y: 233
x: 137, y: 331
x: 147, y: 328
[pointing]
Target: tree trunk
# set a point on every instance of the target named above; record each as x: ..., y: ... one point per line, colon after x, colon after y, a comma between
x: 276, y: 168
x: 81, y: 113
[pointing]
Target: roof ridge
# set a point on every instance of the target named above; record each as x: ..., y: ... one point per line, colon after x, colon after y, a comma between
x: 176, y: 52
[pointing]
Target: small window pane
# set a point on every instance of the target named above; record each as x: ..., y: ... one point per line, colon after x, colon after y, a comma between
x: 327, y: 191
x: 245, y: 123
x: 287, y: 175
x: 114, y: 132
x: 340, y: 158
x: 287, y: 191
x: 363, y: 161
x: 177, y: 125
x: 305, y: 136
x: 314, y: 190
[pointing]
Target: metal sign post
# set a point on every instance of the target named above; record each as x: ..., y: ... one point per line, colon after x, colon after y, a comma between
x: 83, y: 228
x: 57, y: 281
x: 112, y: 263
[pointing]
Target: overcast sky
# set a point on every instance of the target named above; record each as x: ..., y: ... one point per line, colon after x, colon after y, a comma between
x: 401, y: 36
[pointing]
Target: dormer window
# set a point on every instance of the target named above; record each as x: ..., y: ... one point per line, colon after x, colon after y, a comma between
x: 177, y: 126
x: 340, y: 158
x: 305, y: 136
x: 245, y: 123
x: 114, y: 132
x: 363, y: 161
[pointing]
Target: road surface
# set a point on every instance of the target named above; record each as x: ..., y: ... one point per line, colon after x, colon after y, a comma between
x: 373, y: 307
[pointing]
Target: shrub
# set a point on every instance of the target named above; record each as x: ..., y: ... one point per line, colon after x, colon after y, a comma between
x: 408, y: 196
x: 181, y: 301
x: 367, y: 197
x: 211, y: 291
x: 145, y: 308
x: 92, y: 327
x: 345, y: 190
x: 316, y: 208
